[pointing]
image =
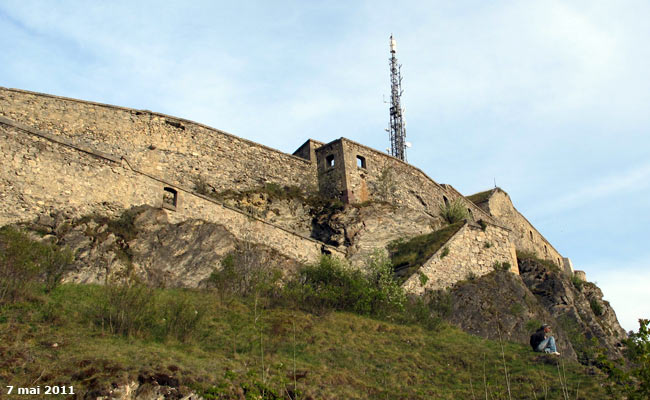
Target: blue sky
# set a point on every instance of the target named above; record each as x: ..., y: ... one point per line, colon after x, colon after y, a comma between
x: 548, y: 98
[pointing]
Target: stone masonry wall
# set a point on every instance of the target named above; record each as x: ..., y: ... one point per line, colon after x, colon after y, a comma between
x: 524, y: 235
x: 386, y: 178
x: 331, y: 178
x: 177, y: 150
x: 39, y: 176
x: 471, y: 251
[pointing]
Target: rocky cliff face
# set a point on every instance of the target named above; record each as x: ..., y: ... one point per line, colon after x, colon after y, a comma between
x: 577, y: 306
x: 515, y: 306
x: 357, y: 230
x: 143, y: 243
x: 501, y: 305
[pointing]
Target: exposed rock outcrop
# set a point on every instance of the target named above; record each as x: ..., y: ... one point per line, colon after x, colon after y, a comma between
x: 578, y: 307
x: 500, y: 304
x: 142, y: 242
x: 514, y: 306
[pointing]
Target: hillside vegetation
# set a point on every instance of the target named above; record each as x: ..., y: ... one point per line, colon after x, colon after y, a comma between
x: 329, y: 333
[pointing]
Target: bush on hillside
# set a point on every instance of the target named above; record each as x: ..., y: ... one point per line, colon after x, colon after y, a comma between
x: 245, y: 272
x: 134, y: 310
x: 333, y: 284
x: 26, y: 264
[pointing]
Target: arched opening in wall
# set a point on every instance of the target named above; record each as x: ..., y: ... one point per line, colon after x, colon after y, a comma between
x: 170, y: 198
x: 329, y: 161
x: 559, y: 262
x: 361, y: 162
x: 531, y: 235
x: 446, y: 200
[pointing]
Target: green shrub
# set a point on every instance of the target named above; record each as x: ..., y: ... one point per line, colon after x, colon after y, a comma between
x: 596, y: 307
x: 26, y: 264
x: 487, y: 245
x: 638, y: 351
x: 180, y: 315
x: 482, y: 224
x: 244, y: 272
x: 444, y: 253
x: 423, y: 279
x: 453, y: 212
x: 533, y: 325
x: 125, y: 309
x: 516, y: 309
x: 577, y: 282
x: 501, y: 266
x: 332, y: 284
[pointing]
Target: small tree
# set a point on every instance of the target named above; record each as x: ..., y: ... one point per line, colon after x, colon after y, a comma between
x: 25, y: 263
x: 639, y: 353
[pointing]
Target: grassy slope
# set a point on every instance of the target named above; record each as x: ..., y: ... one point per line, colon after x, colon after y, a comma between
x: 344, y: 356
x: 480, y: 197
x: 408, y: 256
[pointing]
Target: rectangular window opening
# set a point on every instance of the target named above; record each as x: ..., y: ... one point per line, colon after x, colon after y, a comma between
x: 170, y: 198
x: 330, y: 160
x: 361, y: 162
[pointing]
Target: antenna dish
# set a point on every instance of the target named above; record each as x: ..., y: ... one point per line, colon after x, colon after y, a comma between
x: 408, y: 144
x: 393, y: 44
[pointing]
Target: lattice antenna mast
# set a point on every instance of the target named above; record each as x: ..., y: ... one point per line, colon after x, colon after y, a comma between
x: 397, y: 124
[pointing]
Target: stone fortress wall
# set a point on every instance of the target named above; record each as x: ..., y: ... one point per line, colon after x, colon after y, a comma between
x: 524, y: 235
x: 357, y: 173
x: 472, y: 251
x: 173, y: 149
x: 130, y: 157
x: 43, y: 173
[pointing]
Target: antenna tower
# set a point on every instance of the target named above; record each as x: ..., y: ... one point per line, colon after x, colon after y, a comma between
x: 397, y: 124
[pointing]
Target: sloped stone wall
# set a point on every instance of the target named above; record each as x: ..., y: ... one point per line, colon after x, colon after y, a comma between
x: 175, y: 149
x: 471, y: 252
x: 40, y: 176
x: 524, y: 235
x: 386, y: 178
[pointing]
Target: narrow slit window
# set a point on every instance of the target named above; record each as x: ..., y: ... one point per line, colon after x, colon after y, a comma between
x: 470, y: 214
x: 545, y: 249
x: 446, y: 200
x: 170, y: 198
x: 361, y: 162
x: 330, y: 160
x: 531, y: 235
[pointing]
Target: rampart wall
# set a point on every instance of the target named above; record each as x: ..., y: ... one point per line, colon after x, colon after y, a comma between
x: 524, y: 235
x: 43, y: 173
x: 171, y: 148
x: 472, y: 251
x: 372, y: 175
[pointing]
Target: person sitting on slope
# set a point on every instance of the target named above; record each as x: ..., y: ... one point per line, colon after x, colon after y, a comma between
x: 542, y: 341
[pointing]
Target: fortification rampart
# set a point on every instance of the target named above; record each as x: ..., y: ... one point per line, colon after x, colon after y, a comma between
x: 358, y: 173
x: 42, y: 174
x: 524, y: 235
x: 113, y: 158
x: 175, y: 149
x: 471, y: 252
